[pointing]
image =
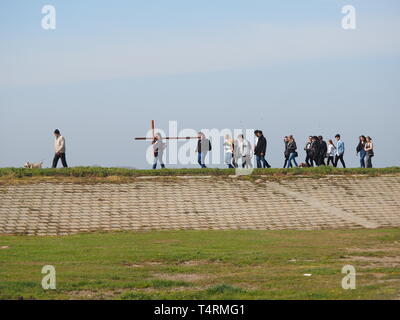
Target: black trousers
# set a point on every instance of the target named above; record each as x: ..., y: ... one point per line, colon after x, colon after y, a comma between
x: 309, y: 160
x: 331, y: 160
x: 339, y: 157
x: 58, y: 157
x: 286, y: 160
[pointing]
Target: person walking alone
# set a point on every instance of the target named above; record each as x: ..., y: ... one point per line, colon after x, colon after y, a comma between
x: 59, y: 146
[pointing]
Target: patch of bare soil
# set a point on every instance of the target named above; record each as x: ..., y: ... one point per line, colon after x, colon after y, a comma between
x: 142, y: 265
x: 188, y: 277
x: 199, y: 262
x: 377, y: 262
x: 383, y: 249
x: 102, y: 294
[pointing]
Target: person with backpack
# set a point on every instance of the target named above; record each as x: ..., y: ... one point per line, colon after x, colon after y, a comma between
x: 369, y: 151
x: 292, y: 147
x: 260, y: 149
x: 203, y: 147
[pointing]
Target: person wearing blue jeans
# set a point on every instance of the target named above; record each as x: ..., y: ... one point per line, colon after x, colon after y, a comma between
x: 228, y: 149
x: 260, y: 149
x: 200, y: 159
x: 261, y: 162
x: 203, y: 146
x: 291, y: 150
x: 360, y: 151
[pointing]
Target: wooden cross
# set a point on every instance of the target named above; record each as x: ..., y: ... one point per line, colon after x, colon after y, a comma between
x: 167, y: 138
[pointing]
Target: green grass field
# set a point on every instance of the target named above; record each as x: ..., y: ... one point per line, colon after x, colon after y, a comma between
x: 203, y: 265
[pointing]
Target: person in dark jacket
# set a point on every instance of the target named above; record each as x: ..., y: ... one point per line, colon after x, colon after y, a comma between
x: 315, y: 149
x: 369, y: 151
x: 309, y: 158
x: 360, y: 150
x: 203, y: 147
x: 260, y: 149
x: 323, y: 148
x: 292, y: 147
x: 285, y: 153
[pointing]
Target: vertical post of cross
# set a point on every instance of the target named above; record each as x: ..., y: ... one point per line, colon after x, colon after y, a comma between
x: 152, y: 128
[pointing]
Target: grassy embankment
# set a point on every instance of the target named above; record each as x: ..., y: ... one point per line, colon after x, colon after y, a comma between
x: 11, y: 175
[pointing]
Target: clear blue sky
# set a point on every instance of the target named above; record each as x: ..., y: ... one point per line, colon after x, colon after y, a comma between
x: 283, y: 66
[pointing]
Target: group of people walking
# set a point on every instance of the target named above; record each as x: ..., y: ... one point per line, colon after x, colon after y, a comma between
x: 365, y: 150
x: 321, y: 153
x: 239, y: 151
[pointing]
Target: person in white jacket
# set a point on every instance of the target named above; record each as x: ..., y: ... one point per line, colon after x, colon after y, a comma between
x: 59, y: 146
x: 245, y: 151
x: 331, y: 153
x: 158, y: 150
x: 228, y: 150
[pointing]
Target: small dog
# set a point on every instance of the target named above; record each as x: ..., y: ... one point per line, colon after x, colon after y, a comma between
x: 303, y: 165
x: 33, y: 165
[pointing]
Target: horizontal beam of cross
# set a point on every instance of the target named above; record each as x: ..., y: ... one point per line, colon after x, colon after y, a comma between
x: 168, y: 138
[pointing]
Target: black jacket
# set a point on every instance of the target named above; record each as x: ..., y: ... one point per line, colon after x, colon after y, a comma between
x: 261, y: 146
x: 314, y: 149
x: 286, y: 153
x: 323, y: 148
x: 360, y: 146
x: 291, y: 147
x: 203, y: 145
x: 307, y: 148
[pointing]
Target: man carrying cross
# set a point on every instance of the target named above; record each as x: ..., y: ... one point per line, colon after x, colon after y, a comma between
x: 158, y: 150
